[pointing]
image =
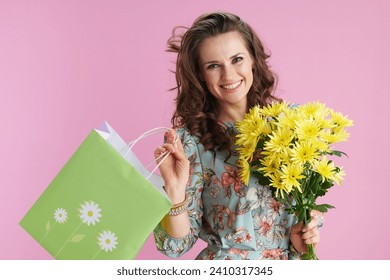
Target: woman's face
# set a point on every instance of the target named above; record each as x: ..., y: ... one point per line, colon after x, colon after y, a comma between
x: 226, y: 68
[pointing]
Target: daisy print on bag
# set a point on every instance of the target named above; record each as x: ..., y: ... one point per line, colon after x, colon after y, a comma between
x: 60, y: 215
x: 90, y: 213
x: 107, y: 241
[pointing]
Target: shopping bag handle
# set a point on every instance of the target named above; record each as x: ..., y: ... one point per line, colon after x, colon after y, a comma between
x: 150, y: 132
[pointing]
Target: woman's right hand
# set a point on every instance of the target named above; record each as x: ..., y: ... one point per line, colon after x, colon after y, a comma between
x: 175, y: 169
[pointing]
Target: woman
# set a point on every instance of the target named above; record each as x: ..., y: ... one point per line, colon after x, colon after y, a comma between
x: 221, y: 72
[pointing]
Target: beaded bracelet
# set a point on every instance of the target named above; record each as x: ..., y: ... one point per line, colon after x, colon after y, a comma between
x: 177, y: 209
x: 294, y: 251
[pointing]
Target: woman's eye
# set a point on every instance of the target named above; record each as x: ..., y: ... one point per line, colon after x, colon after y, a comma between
x: 237, y: 59
x: 212, y: 66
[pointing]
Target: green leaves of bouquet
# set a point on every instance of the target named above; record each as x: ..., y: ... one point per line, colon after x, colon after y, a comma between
x: 288, y: 147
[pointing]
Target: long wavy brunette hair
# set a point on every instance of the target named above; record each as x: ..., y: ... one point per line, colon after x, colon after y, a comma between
x: 196, y: 108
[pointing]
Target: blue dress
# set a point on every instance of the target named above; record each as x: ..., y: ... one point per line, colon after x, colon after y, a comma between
x: 236, y: 221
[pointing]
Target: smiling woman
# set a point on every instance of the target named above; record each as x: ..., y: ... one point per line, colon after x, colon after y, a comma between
x: 196, y: 107
x: 221, y: 72
x: 226, y: 68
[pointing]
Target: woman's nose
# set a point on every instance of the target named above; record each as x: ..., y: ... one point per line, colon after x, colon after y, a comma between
x: 227, y: 73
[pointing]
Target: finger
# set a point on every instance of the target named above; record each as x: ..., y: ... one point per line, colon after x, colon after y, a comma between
x: 297, y: 228
x: 176, y: 152
x: 312, y: 240
x: 159, y: 151
x: 311, y: 236
x: 179, y: 144
x: 314, y: 213
x: 171, y: 136
x: 313, y: 224
x: 320, y: 217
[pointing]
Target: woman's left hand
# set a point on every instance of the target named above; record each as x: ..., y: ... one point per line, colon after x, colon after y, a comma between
x: 303, y: 235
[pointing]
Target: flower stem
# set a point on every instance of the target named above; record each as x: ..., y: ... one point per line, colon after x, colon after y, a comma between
x: 310, y: 255
x: 63, y: 245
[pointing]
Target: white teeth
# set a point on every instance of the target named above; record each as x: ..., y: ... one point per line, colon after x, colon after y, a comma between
x: 232, y: 86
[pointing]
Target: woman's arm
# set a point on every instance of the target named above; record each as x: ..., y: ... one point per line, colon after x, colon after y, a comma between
x: 181, y: 172
x: 175, y: 172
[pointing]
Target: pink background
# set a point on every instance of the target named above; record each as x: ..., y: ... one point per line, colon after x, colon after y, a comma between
x: 65, y: 66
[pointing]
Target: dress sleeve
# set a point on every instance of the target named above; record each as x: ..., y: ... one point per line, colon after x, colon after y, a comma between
x: 175, y: 247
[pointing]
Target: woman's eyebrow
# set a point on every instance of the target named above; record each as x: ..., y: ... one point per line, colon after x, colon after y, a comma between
x: 216, y: 61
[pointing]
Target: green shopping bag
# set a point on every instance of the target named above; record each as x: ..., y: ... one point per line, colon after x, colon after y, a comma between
x: 99, y: 206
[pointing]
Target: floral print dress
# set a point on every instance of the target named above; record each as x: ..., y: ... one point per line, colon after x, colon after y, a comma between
x: 236, y: 221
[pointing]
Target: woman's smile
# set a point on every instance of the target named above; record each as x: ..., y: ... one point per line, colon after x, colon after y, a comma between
x: 232, y: 86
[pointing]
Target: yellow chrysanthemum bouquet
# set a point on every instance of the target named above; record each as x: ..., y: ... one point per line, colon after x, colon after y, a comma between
x: 288, y: 147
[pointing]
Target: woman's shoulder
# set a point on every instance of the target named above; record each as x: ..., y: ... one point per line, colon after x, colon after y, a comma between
x: 183, y: 133
x: 186, y: 136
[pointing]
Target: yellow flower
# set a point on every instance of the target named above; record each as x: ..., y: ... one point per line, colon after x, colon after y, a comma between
x: 247, y: 146
x: 274, y: 109
x: 251, y: 129
x: 291, y: 174
x: 331, y: 137
x: 307, y: 129
x: 321, y: 145
x: 325, y: 168
x: 304, y: 152
x: 246, y: 152
x: 253, y: 121
x: 270, y: 164
x: 244, y: 170
x: 288, y: 119
x: 284, y: 156
x: 248, y: 140
x: 277, y: 182
x: 340, y: 121
x: 314, y: 110
x: 279, y: 140
x: 325, y: 123
x: 338, y: 176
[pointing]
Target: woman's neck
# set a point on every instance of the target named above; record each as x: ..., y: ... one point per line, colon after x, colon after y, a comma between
x: 232, y: 113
